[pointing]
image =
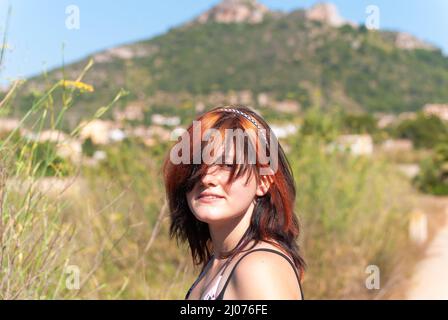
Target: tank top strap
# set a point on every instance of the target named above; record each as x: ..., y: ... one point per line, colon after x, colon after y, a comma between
x: 221, y: 294
x: 204, y: 269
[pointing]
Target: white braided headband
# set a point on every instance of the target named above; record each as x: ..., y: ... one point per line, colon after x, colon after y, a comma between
x: 251, y: 119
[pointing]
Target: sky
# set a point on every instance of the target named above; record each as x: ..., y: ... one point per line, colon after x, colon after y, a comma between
x: 38, y: 38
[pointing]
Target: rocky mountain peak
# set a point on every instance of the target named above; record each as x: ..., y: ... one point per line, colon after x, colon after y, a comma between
x: 235, y: 11
x: 407, y: 41
x: 326, y: 13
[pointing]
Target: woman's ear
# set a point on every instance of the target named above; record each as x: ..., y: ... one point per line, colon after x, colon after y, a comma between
x: 263, y: 186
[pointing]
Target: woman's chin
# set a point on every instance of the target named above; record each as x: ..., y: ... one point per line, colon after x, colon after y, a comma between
x: 210, y: 216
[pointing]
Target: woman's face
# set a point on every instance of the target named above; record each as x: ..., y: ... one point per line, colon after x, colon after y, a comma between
x: 210, y: 201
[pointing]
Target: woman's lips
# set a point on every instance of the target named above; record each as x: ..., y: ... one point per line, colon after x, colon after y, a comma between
x: 209, y: 198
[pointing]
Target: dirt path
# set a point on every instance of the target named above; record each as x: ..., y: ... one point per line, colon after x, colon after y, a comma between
x: 430, y: 277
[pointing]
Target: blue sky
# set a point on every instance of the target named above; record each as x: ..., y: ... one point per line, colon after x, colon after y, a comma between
x: 37, y: 30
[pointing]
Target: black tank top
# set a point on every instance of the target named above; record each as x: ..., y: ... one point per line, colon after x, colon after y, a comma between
x: 221, y: 294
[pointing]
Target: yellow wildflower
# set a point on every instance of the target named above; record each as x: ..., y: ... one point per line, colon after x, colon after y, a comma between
x: 78, y: 85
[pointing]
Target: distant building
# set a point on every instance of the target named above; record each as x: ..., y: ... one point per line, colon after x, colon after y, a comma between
x: 356, y: 144
x: 54, y: 136
x: 117, y: 135
x: 132, y: 112
x: 386, y: 120
x: 161, y: 120
x: 200, y: 107
x: 139, y: 131
x: 407, y: 116
x: 102, y: 132
x: 8, y: 124
x: 70, y: 149
x: 66, y: 147
x: 100, y: 155
x: 438, y: 110
x: 244, y: 97
x: 97, y: 131
x: 159, y: 133
x: 287, y: 106
x: 397, y: 145
x: 263, y: 99
x: 284, y: 131
x: 409, y: 170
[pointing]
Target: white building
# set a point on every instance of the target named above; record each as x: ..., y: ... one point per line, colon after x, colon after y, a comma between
x: 438, y: 110
x: 397, y: 145
x: 8, y: 124
x: 161, y: 120
x: 70, y: 149
x: 133, y: 112
x: 386, y: 120
x: 66, y: 146
x: 356, y: 144
x: 287, y: 106
x: 101, y: 132
x: 285, y: 130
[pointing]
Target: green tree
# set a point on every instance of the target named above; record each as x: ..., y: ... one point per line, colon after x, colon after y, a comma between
x: 433, y: 177
x: 363, y: 123
x: 424, y: 131
x: 88, y: 148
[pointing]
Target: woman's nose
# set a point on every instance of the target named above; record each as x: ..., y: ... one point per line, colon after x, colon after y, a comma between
x: 210, y: 176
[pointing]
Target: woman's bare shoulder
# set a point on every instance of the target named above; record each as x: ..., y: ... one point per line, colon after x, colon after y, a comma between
x: 265, y: 275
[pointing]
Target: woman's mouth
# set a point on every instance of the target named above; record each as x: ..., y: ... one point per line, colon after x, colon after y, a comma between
x: 209, y: 198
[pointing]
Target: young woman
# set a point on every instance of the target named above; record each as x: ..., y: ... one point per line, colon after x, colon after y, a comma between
x: 232, y: 199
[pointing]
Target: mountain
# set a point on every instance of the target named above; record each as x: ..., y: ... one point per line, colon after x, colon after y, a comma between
x: 240, y: 51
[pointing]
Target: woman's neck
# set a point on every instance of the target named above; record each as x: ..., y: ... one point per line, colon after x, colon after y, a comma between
x: 226, y: 235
